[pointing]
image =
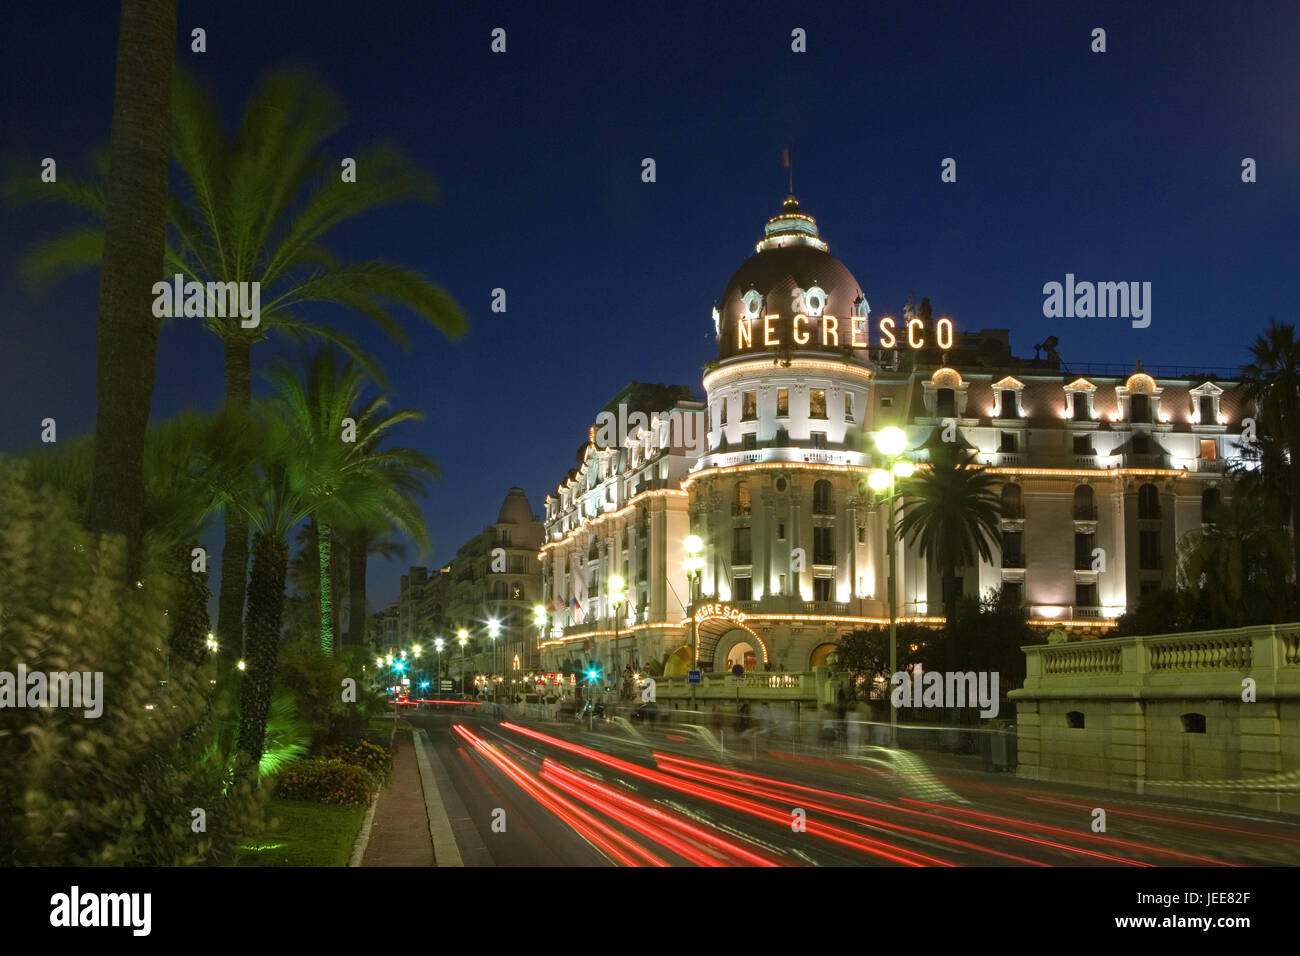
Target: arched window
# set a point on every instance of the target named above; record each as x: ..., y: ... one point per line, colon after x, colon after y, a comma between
x: 822, y: 497
x: 742, y: 498
x: 1210, y: 501
x: 1148, y: 501
x: 1011, y: 503
x: 1085, y: 508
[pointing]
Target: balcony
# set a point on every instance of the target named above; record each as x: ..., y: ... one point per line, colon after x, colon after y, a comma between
x: 1212, y: 466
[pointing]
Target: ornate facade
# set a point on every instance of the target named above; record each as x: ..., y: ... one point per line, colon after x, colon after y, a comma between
x: 1102, y: 472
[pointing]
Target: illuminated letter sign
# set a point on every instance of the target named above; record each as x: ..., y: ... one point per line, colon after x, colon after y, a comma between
x: 912, y: 325
x: 800, y: 337
x: 724, y: 612
x: 941, y: 335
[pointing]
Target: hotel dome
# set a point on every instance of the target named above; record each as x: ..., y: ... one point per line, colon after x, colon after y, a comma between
x: 791, y: 272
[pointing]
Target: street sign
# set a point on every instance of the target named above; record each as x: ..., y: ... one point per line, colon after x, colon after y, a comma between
x: 446, y: 685
x: 692, y: 677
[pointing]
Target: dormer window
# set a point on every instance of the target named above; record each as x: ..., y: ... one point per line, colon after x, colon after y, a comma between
x: 1008, y: 392
x: 945, y: 394
x: 1206, y: 404
x: 1078, y: 400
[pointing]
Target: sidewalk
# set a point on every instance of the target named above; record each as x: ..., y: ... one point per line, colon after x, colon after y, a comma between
x: 399, y: 833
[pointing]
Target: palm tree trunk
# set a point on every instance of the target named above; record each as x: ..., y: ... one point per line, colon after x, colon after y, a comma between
x: 323, y: 540
x: 357, y: 590
x: 189, y: 607
x: 134, y: 237
x: 265, y: 615
x: 234, y: 553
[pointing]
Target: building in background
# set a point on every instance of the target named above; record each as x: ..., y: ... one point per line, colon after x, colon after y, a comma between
x: 495, y: 576
x: 1102, y: 470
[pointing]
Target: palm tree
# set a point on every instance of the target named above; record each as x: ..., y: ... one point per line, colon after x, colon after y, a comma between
x: 1237, y: 566
x: 1272, y: 381
x: 951, y: 515
x: 368, y: 536
x: 328, y: 412
x: 134, y: 229
x: 257, y: 206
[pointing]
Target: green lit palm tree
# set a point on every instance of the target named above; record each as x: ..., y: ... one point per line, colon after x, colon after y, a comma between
x: 950, y: 514
x: 257, y: 205
x: 330, y: 411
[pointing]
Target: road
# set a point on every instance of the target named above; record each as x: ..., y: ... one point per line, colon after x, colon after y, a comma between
x: 632, y: 796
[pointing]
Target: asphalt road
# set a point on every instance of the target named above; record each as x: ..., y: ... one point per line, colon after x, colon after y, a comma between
x: 544, y: 793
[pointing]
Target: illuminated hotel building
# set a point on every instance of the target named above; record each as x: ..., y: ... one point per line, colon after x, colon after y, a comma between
x: 1100, y: 476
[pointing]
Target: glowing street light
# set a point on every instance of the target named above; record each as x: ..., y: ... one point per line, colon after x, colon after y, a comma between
x: 891, y: 442
x: 437, y: 646
x: 694, y: 564
x: 617, y: 592
x: 462, y: 638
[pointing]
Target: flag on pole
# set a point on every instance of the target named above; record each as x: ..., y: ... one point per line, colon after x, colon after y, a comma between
x: 786, y: 157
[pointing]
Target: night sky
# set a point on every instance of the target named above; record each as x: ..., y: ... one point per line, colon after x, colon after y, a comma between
x: 1122, y: 166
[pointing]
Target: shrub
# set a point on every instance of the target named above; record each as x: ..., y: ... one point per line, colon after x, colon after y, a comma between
x: 325, y: 781
x: 117, y: 789
x: 362, y: 753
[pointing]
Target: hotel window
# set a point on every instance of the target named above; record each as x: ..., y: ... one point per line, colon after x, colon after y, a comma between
x: 1148, y: 502
x: 1013, y: 593
x: 1210, y: 501
x: 1149, y: 550
x: 742, y: 498
x: 848, y: 407
x: 1012, y: 549
x: 1082, y: 413
x: 818, y: 439
x: 822, y: 497
x: 816, y: 403
x: 1011, y: 506
x: 1009, y: 409
x: 1082, y: 445
x: 1140, y: 408
x: 1085, y: 506
x: 780, y: 531
x: 1141, y: 445
x: 946, y: 403
x: 740, y: 553
x: 886, y: 401
x: 822, y: 589
x: 1083, y: 544
x: 1206, y: 405
x: 862, y: 535
x: 744, y: 590
x: 723, y: 403
x: 781, y: 578
x: 1007, y: 442
x: 748, y: 406
x: 748, y: 441
x: 782, y: 403
x: 1085, y: 595
x: 1209, y: 449
x: 1148, y: 587
x: 823, y: 545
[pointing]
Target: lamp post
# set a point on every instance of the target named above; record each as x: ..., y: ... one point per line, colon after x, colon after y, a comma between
x: 494, y: 631
x: 891, y: 442
x: 415, y: 654
x: 462, y: 638
x: 437, y: 645
x: 617, y: 591
x: 539, y: 620
x: 693, y: 565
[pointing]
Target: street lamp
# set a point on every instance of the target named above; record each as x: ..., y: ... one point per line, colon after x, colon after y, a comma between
x: 617, y: 591
x: 539, y: 620
x: 891, y: 442
x: 494, y: 631
x: 437, y: 645
x: 462, y: 638
x: 693, y: 564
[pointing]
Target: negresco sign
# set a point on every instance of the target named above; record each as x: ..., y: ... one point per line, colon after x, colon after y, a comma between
x: 708, y: 612
x: 853, y: 333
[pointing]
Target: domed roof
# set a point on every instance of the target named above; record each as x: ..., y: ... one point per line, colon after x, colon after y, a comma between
x: 791, y: 273
x: 515, y: 509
